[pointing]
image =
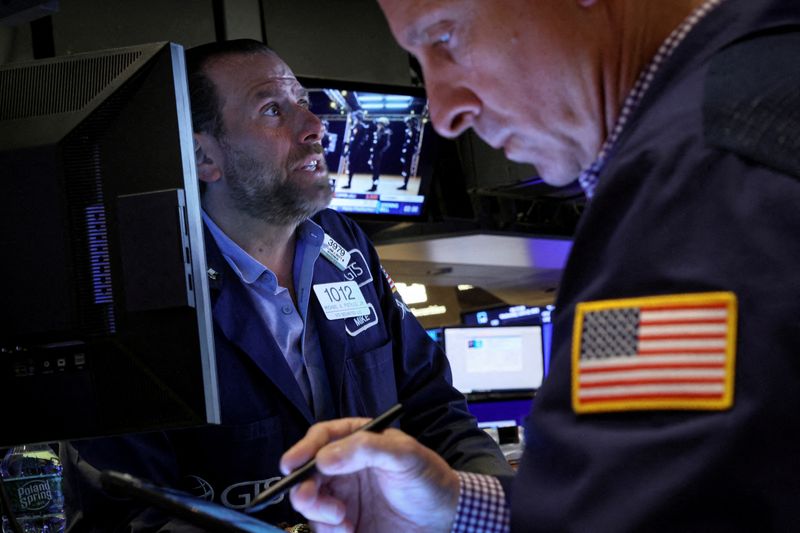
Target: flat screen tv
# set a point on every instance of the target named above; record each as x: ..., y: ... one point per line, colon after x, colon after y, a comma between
x: 379, y: 145
x: 495, y: 362
x: 105, y: 326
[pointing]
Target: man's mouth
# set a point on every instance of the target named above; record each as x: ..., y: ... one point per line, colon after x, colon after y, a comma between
x: 311, y: 167
x: 312, y: 164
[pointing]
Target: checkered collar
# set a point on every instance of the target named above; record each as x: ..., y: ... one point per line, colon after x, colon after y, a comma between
x: 588, y: 179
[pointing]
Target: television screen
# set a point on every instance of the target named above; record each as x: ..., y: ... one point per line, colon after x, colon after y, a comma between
x: 499, y: 361
x: 378, y: 144
x: 105, y: 326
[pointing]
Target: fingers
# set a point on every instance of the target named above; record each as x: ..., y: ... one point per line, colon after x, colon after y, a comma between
x: 411, y: 480
x: 390, y: 451
x: 341, y: 449
x: 318, y: 436
x: 318, y: 527
x: 310, y: 501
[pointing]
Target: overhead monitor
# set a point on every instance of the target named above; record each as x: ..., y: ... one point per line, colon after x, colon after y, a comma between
x: 515, y: 315
x: 495, y: 362
x: 379, y: 145
x: 105, y: 326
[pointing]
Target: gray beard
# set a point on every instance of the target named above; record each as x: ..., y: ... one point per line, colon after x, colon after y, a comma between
x: 261, y: 191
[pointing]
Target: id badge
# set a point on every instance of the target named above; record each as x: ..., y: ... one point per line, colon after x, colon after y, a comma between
x: 342, y: 299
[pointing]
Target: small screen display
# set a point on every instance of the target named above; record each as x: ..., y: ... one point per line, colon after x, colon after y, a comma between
x: 495, y: 359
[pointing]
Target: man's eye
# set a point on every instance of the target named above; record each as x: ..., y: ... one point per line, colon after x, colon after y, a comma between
x: 271, y: 110
x: 304, y: 103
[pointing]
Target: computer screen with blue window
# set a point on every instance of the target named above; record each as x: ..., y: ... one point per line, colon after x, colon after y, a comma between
x: 517, y: 315
x: 496, y: 362
x: 509, y: 410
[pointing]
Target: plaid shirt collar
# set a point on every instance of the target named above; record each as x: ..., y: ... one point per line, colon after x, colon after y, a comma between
x: 589, y: 178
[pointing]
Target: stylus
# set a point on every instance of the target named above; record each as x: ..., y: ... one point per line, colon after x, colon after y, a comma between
x: 376, y: 425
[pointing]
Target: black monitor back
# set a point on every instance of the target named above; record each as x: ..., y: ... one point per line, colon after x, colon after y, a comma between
x: 105, y: 324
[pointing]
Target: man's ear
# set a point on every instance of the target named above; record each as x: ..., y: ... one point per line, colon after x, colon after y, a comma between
x: 206, y: 156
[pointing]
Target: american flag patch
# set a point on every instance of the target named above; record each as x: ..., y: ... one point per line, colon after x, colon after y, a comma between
x: 660, y: 352
x: 389, y: 279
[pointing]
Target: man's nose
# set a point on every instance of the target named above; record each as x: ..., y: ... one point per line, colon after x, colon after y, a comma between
x: 453, y: 107
x: 310, y: 126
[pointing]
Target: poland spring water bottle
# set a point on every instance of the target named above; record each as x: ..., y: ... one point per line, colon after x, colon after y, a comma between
x: 32, y: 477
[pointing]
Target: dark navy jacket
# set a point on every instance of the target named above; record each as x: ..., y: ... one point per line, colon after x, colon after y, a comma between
x: 371, y: 364
x: 702, y: 194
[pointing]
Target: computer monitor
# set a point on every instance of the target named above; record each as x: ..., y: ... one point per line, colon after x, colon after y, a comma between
x: 517, y: 315
x: 379, y: 145
x: 105, y: 323
x: 495, y: 362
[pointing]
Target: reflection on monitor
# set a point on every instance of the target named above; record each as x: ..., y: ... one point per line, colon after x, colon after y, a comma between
x: 495, y: 360
x: 105, y: 325
x: 378, y: 146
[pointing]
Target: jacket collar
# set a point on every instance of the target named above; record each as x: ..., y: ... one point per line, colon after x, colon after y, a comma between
x: 238, y: 321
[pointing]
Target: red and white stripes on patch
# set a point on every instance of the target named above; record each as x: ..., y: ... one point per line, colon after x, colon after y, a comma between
x: 654, y: 352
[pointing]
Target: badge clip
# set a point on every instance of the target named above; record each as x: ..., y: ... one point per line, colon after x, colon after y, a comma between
x: 335, y: 253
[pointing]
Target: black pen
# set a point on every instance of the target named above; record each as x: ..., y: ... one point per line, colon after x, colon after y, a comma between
x: 377, y: 424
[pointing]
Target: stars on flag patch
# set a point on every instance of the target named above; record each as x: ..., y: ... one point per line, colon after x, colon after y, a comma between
x: 659, y: 352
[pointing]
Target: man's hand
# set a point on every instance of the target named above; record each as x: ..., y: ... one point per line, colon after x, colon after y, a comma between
x: 371, y: 481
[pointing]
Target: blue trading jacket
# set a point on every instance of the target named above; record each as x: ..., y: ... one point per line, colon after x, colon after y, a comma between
x: 702, y: 194
x: 371, y: 363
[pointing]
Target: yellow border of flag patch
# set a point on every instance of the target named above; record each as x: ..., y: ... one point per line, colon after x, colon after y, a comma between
x: 725, y: 401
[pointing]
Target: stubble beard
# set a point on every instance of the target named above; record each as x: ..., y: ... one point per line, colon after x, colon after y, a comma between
x: 262, y: 190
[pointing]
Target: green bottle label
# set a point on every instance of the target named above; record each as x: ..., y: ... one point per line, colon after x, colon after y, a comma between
x: 33, y: 493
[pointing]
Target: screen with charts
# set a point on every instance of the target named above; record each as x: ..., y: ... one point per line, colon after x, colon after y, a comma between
x: 378, y: 144
x: 495, y: 359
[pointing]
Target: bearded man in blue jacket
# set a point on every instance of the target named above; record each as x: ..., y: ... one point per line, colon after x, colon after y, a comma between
x: 288, y: 354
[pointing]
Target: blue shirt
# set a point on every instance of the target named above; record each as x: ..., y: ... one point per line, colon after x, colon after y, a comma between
x: 293, y: 329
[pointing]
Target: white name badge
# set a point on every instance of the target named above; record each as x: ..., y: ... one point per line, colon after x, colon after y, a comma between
x: 335, y: 253
x: 342, y: 299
